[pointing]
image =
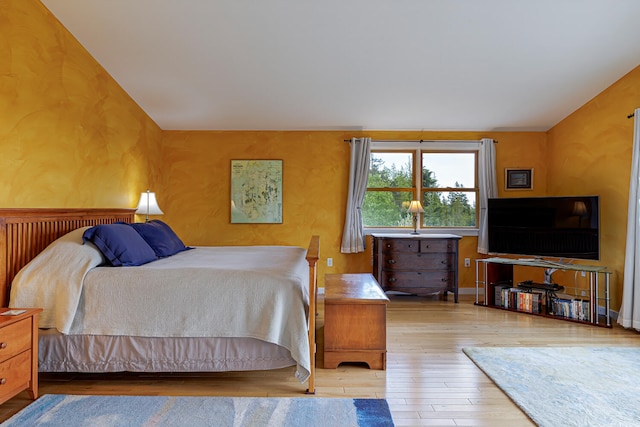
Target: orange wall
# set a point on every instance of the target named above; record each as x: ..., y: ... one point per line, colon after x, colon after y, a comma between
x: 69, y: 135
x: 590, y: 153
x: 196, y: 183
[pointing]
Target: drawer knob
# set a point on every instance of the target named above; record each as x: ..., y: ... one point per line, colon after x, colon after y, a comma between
x: 3, y: 344
x: 392, y: 261
x: 443, y: 279
x: 388, y: 245
x: 392, y: 280
x: 3, y: 381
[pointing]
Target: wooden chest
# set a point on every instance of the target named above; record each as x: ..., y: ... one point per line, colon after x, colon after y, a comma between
x: 421, y: 264
x: 355, y: 321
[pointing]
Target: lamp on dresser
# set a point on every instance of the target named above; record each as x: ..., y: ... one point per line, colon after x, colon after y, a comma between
x: 579, y: 210
x: 148, y: 205
x: 415, y: 208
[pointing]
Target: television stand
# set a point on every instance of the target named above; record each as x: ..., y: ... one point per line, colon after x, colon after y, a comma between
x: 494, y: 276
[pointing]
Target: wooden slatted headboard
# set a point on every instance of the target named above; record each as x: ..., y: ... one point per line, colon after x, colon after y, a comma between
x: 24, y: 233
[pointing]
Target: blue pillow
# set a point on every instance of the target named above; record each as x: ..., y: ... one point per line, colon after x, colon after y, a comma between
x: 162, y: 239
x: 120, y: 244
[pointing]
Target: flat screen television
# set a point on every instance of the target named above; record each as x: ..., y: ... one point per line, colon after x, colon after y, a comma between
x: 557, y: 227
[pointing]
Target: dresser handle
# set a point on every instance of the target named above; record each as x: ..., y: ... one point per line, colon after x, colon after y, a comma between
x: 391, y: 279
x: 3, y: 345
x: 444, y: 279
x: 444, y: 261
x: 3, y: 381
x: 388, y: 245
x: 391, y: 261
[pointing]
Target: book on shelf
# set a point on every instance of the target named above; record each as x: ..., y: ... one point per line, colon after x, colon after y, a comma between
x: 523, y: 300
x: 571, y: 308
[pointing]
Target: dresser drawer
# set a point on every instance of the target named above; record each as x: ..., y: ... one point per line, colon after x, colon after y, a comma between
x: 400, y: 245
x: 437, y: 280
x: 14, y: 339
x: 436, y: 245
x: 15, y: 374
x: 420, y: 261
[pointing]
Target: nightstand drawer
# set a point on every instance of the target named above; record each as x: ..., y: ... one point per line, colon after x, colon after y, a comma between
x: 15, y: 339
x: 15, y: 375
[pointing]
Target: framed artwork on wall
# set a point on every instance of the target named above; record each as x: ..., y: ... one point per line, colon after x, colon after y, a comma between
x: 518, y: 179
x: 256, y: 191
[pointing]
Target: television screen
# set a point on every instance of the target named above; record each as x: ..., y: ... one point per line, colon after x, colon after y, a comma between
x: 559, y: 227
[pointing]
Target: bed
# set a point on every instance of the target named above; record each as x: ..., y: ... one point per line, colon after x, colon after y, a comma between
x: 174, y: 322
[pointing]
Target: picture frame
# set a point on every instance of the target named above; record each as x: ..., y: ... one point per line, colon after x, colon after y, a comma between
x: 256, y: 192
x: 518, y: 179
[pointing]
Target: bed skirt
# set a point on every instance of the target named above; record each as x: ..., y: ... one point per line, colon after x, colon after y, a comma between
x: 96, y: 353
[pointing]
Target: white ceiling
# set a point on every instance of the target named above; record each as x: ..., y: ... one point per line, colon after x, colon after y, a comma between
x: 358, y: 64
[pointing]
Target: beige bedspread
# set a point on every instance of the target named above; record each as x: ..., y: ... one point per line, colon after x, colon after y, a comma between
x: 256, y: 291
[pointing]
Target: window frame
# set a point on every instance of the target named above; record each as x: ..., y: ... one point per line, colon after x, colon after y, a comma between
x: 416, y: 148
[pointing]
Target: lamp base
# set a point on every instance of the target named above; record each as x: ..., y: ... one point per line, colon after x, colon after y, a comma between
x: 414, y: 232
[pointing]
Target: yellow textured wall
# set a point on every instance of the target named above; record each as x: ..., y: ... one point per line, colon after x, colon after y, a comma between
x: 589, y: 152
x: 196, y: 183
x: 69, y: 135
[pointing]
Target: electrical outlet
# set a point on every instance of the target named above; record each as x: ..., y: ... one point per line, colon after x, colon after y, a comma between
x: 329, y: 262
x: 467, y: 262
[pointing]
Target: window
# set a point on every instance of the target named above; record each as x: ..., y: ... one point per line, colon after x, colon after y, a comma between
x: 443, y: 176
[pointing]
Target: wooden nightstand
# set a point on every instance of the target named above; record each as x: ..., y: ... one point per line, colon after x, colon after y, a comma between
x: 18, y: 353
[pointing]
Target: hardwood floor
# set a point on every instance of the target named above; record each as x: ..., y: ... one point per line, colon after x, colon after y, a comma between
x: 428, y: 381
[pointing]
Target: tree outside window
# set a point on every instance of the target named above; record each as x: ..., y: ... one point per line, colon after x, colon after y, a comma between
x: 447, y: 186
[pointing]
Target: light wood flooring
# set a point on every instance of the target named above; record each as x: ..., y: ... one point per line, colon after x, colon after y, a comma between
x: 428, y: 381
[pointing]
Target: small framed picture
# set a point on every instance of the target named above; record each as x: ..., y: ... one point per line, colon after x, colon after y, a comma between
x: 518, y: 179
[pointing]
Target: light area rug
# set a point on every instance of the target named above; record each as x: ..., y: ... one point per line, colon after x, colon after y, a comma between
x: 137, y: 411
x: 567, y: 386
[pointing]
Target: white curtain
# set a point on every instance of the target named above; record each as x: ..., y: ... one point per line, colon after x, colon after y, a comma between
x: 629, y: 315
x: 488, y: 188
x: 353, y: 238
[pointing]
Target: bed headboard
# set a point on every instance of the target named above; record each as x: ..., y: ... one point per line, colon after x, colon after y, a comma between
x: 24, y: 233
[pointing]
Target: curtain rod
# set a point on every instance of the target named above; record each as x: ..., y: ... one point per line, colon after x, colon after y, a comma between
x: 416, y: 140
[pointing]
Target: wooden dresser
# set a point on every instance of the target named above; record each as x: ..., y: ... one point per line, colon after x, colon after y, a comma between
x: 422, y: 264
x: 18, y: 353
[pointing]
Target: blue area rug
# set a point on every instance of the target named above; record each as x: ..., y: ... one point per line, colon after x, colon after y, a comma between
x: 567, y: 386
x: 136, y: 411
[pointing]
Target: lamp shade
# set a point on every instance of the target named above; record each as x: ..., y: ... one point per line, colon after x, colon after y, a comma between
x: 579, y: 209
x: 148, y: 204
x: 415, y: 207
